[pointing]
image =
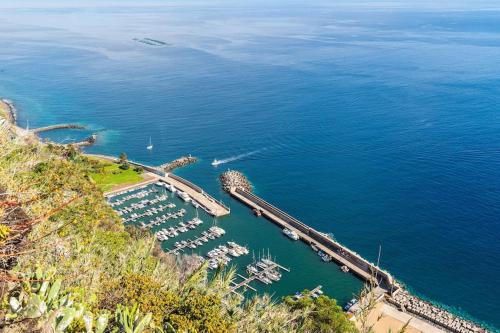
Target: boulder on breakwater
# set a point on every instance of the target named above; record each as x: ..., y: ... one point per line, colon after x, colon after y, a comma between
x: 408, y: 302
x: 180, y: 162
x: 231, y: 179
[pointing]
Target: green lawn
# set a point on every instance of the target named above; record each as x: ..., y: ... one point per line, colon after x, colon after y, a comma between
x: 112, y: 176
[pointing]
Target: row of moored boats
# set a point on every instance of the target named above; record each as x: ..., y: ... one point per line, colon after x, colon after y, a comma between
x: 166, y: 233
x: 265, y: 270
x: 210, y: 234
x: 223, y: 253
x: 317, y: 292
x: 183, y: 195
x: 155, y: 211
x: 142, y: 204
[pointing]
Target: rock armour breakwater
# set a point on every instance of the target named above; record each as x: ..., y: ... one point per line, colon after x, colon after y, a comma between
x: 407, y: 302
x: 87, y: 142
x: 180, y: 162
x: 56, y: 127
x: 235, y: 179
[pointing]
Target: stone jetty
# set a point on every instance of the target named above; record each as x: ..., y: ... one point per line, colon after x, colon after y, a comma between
x: 180, y: 162
x: 56, y: 127
x: 234, y: 179
x: 87, y: 142
x: 437, y: 316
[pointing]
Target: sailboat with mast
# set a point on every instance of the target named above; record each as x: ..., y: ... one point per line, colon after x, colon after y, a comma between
x: 150, y: 146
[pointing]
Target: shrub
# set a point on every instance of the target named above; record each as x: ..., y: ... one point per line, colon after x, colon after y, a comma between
x: 124, y: 166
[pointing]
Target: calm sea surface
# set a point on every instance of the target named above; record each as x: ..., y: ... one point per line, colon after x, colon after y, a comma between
x: 377, y: 123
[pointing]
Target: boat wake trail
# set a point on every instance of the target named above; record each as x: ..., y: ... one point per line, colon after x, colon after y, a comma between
x: 234, y: 158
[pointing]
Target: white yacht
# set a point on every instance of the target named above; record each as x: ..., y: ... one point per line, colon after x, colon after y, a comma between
x: 184, y: 196
x: 215, y: 162
x: 291, y: 234
x: 150, y: 146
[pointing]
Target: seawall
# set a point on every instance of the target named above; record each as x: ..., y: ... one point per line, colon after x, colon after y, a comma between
x: 341, y: 254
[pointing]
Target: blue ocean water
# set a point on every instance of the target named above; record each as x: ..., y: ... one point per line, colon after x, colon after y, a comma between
x: 377, y: 122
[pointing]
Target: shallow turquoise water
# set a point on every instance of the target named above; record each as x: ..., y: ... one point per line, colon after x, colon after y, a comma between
x: 376, y: 122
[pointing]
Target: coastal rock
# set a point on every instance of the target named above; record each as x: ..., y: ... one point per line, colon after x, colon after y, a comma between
x: 11, y: 110
x: 232, y: 178
x: 408, y: 302
x: 180, y: 162
x: 87, y: 142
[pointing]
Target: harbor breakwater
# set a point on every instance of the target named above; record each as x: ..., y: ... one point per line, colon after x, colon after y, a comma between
x: 177, y: 163
x: 86, y: 142
x: 437, y: 316
x: 235, y: 179
x: 56, y: 127
x: 11, y: 114
x: 395, y: 293
x: 341, y: 254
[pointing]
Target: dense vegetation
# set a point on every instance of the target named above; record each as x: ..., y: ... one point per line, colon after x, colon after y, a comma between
x: 69, y: 265
x: 108, y: 174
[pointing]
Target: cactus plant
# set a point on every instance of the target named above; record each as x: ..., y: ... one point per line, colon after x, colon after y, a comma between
x: 100, y: 323
x: 41, y: 299
x: 130, y: 320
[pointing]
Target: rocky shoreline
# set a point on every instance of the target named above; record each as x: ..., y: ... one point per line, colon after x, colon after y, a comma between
x: 410, y: 303
x: 232, y: 178
x: 180, y: 162
x: 11, y: 112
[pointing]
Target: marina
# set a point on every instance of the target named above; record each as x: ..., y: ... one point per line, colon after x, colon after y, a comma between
x: 154, y: 204
x: 174, y: 183
x: 182, y: 225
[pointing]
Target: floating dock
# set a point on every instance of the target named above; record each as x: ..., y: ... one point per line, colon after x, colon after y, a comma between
x: 339, y: 253
x: 256, y: 276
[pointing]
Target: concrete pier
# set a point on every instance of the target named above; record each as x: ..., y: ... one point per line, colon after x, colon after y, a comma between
x: 211, y: 206
x: 339, y: 253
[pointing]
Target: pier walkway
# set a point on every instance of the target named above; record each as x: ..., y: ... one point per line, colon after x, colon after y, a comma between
x: 211, y: 206
x: 57, y: 126
x: 338, y: 252
x: 256, y: 276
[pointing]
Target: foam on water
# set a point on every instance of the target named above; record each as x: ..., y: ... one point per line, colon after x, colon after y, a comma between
x: 217, y: 162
